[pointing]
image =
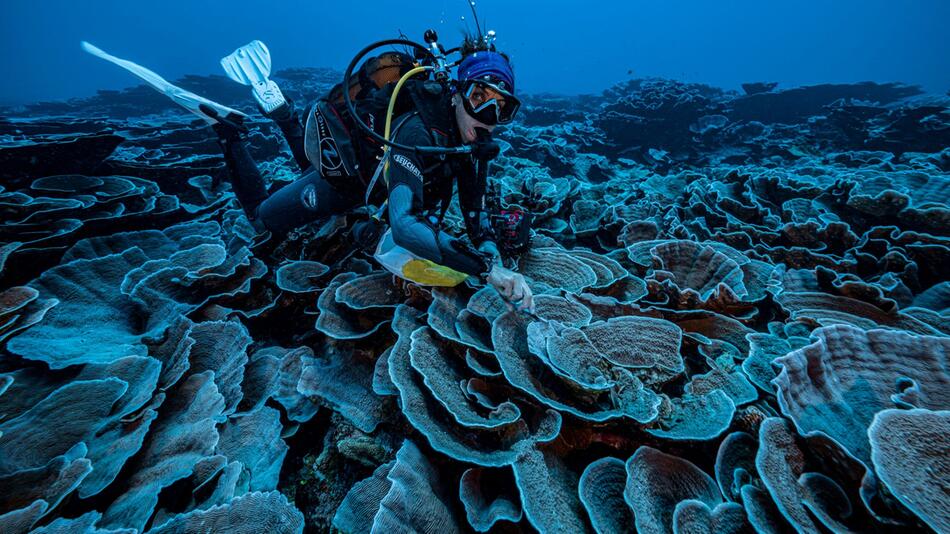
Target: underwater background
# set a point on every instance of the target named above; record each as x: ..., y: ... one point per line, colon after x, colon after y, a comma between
x: 559, y: 46
x: 740, y: 249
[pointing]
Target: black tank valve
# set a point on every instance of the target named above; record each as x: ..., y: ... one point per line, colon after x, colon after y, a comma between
x: 441, y: 72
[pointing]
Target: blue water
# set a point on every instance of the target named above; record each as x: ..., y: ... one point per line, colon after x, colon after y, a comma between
x: 559, y: 46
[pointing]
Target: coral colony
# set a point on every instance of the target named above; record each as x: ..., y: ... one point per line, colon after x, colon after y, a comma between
x: 742, y: 325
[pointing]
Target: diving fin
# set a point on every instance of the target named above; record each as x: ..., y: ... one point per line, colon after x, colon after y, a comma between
x: 250, y: 65
x: 183, y: 98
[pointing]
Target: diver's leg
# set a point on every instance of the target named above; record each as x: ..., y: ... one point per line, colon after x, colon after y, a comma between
x: 251, y: 65
x: 304, y: 201
x: 288, y: 119
x: 246, y: 180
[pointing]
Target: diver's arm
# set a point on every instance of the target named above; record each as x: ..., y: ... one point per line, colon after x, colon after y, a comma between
x: 472, y: 203
x: 509, y: 284
x: 414, y: 232
x: 479, y: 230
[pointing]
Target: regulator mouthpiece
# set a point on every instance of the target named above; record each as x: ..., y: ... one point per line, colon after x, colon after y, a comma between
x: 485, y: 148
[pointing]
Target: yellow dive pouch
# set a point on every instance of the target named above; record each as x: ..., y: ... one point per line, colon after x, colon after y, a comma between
x: 408, y: 266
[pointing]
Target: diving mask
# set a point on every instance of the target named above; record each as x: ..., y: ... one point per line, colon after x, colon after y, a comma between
x: 489, y: 103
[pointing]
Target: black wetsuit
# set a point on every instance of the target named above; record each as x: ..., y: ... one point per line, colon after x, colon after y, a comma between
x: 419, y: 188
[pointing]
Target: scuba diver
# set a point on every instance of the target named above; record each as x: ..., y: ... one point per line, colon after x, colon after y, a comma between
x: 399, y: 119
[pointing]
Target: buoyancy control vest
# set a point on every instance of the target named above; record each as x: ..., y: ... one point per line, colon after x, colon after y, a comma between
x: 333, y: 142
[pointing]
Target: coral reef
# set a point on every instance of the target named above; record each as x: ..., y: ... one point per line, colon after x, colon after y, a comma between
x: 742, y: 325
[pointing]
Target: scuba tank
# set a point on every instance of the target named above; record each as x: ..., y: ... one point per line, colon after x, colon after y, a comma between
x: 374, y: 74
x: 511, y: 222
x: 333, y: 142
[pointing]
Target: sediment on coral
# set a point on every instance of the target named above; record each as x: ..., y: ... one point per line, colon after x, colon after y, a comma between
x: 742, y: 324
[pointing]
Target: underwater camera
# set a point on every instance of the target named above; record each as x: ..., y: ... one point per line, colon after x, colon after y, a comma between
x: 510, y: 221
x: 512, y: 228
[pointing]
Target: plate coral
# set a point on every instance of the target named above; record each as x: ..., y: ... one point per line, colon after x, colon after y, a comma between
x: 743, y: 324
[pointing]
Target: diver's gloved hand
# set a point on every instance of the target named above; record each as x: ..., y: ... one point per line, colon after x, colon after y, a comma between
x: 366, y: 234
x: 512, y: 286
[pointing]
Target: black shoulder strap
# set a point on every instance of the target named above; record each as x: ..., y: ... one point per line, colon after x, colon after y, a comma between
x: 384, y: 161
x: 430, y: 100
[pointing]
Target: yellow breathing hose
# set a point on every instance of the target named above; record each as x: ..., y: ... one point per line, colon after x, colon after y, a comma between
x: 389, y: 113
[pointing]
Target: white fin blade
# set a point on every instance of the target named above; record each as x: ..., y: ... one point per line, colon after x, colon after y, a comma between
x: 249, y: 64
x: 183, y: 98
